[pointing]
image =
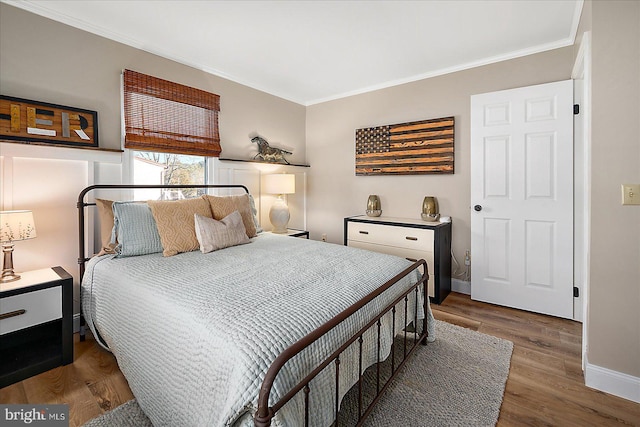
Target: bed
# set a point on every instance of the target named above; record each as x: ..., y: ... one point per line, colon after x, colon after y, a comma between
x: 274, y: 331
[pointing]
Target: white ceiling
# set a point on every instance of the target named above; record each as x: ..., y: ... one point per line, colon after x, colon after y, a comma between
x: 313, y: 51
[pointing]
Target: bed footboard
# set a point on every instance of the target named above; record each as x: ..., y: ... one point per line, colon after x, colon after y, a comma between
x: 266, y: 413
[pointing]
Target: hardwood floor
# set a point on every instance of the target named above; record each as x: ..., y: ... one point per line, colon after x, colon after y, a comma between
x: 545, y: 385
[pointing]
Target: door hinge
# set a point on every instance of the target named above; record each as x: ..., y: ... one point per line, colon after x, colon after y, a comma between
x: 576, y: 108
x: 576, y: 292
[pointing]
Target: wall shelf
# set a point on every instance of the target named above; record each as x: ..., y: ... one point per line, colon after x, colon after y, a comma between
x: 51, y: 144
x: 261, y: 161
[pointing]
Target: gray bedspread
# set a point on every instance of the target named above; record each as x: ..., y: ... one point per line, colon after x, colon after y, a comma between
x: 194, y: 334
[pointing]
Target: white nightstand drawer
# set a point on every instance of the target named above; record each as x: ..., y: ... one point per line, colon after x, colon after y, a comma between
x: 39, y: 307
x: 402, y: 237
x: 410, y: 254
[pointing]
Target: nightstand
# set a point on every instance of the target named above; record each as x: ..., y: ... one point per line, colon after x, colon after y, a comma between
x: 36, y: 324
x: 294, y: 233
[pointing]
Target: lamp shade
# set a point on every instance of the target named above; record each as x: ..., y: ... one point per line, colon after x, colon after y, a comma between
x: 283, y: 183
x: 16, y: 225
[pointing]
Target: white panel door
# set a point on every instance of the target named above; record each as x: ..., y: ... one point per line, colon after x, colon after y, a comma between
x: 522, y: 198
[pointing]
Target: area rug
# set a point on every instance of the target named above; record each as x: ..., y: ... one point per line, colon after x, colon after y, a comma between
x: 457, y: 380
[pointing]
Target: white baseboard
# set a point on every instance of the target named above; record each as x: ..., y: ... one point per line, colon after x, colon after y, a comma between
x: 461, y: 286
x: 612, y: 382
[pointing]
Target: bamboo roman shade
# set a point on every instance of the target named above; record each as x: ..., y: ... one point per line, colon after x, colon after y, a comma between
x: 167, y: 117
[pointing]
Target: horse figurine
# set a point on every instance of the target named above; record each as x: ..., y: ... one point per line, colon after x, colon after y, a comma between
x: 268, y: 153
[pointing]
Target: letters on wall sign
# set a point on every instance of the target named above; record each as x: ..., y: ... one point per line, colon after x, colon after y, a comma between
x: 23, y: 120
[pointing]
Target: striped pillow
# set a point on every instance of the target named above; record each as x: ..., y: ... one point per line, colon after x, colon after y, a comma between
x: 213, y: 234
x: 135, y: 229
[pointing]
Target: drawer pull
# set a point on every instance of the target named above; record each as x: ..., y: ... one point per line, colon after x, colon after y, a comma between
x: 411, y: 238
x: 363, y: 232
x: 412, y: 259
x: 12, y: 314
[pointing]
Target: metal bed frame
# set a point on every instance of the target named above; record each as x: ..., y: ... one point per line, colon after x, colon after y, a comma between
x: 266, y: 413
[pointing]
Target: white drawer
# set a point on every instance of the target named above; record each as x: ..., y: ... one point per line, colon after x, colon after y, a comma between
x: 40, y: 307
x: 402, y: 237
x: 410, y: 254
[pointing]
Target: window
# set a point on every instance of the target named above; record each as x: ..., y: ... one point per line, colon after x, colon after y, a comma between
x: 169, y: 169
x: 171, y: 129
x: 167, y: 117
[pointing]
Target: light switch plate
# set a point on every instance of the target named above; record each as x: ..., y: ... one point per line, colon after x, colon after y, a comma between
x: 631, y: 194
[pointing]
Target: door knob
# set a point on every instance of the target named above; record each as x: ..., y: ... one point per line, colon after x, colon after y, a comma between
x: 477, y: 208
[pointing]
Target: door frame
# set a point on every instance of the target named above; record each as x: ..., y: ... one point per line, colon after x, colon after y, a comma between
x: 582, y: 71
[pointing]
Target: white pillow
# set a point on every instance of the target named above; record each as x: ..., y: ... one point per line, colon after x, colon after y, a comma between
x: 213, y: 234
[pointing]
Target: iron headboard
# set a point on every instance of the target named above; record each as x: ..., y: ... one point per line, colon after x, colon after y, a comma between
x: 82, y: 255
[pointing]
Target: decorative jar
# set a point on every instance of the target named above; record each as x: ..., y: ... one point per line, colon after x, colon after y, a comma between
x: 373, y: 206
x: 430, y: 209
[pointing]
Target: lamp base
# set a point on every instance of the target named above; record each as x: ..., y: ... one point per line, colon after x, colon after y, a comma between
x: 11, y: 277
x: 279, y: 216
x: 8, y: 275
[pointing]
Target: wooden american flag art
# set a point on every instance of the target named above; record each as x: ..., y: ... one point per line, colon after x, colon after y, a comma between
x: 423, y: 147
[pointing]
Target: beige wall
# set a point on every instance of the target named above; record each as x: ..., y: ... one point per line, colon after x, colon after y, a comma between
x: 614, y: 303
x: 47, y: 61
x: 335, y: 192
x: 44, y: 60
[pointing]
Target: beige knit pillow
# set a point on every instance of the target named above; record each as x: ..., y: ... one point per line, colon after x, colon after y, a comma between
x: 105, y: 215
x: 214, y: 235
x: 174, y: 219
x: 221, y: 206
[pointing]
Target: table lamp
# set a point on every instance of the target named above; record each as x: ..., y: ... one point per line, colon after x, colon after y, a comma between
x: 14, y: 226
x: 280, y: 184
